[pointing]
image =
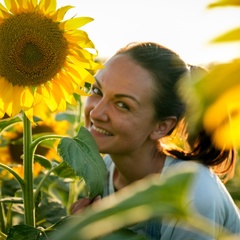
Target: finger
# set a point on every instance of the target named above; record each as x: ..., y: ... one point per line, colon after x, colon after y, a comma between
x: 79, y: 205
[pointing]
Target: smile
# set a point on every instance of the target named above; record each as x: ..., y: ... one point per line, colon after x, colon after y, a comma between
x: 102, y: 131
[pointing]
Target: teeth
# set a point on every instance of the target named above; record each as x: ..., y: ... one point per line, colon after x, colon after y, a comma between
x: 100, y: 130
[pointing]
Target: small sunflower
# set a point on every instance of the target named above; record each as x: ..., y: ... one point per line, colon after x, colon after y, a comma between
x: 11, y: 144
x: 43, y: 58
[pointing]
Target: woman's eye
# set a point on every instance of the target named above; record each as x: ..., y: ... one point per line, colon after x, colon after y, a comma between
x: 96, y: 90
x: 123, y: 105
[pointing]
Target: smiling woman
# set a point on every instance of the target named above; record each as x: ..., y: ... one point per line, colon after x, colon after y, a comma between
x: 43, y: 59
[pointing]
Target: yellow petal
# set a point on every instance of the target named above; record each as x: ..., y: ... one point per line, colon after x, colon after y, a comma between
x: 69, y: 80
x: 57, y: 95
x: 47, y: 6
x: 228, y: 136
x: 225, y: 106
x: 4, y: 12
x: 233, y: 35
x: 60, y: 13
x: 29, y: 114
x: 68, y: 94
x: 32, y: 4
x: 2, y: 113
x: 80, y: 74
x: 51, y: 101
x: 27, y: 98
x: 16, y: 102
x: 43, y: 91
x: 74, y: 23
x: 6, y: 92
x: 11, y: 5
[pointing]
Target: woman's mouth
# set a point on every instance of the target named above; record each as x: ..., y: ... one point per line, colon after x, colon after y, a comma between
x: 102, y: 131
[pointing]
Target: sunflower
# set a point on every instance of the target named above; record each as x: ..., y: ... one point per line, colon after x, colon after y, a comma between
x: 11, y: 144
x: 44, y: 59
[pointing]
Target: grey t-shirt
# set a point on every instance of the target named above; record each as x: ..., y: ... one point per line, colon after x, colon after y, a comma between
x: 208, y: 196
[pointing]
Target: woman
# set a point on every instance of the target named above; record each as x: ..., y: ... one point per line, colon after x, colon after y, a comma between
x: 134, y: 104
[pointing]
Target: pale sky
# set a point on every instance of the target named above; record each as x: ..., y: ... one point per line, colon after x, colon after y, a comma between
x: 185, y: 26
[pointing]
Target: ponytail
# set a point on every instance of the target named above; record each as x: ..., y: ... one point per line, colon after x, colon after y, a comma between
x: 222, y: 161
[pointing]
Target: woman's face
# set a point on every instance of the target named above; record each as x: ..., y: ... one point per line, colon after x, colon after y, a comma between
x: 119, y: 113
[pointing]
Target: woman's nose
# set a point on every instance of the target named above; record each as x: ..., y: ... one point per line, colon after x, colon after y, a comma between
x: 100, y: 112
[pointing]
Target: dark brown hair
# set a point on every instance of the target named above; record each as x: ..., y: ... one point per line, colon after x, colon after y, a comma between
x: 167, y: 68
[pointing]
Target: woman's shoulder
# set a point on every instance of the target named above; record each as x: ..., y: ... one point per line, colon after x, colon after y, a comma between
x: 205, y: 182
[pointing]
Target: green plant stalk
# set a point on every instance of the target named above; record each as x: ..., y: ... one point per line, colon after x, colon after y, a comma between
x: 72, y: 197
x: 29, y: 206
x: 9, y: 217
x: 17, y: 177
x: 3, y: 236
x: 41, y: 183
x: 2, y: 213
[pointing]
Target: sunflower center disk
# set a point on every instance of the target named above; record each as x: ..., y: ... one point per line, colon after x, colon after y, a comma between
x: 32, y: 49
x: 31, y: 55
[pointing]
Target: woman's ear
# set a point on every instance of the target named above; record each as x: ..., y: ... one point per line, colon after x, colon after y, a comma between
x: 163, y: 128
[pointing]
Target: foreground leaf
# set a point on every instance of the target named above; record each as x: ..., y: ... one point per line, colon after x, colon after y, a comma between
x: 215, y: 104
x: 136, y: 203
x: 82, y: 155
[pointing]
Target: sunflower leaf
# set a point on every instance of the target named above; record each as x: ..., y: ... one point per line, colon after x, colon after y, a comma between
x: 9, y: 121
x: 64, y: 170
x: 43, y: 161
x: 148, y: 198
x: 81, y: 154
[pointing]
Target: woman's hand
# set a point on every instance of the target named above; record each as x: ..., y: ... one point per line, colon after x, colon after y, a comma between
x: 79, y: 206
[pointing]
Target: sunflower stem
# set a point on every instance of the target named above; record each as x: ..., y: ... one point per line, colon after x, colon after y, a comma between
x: 29, y: 208
x: 2, y: 213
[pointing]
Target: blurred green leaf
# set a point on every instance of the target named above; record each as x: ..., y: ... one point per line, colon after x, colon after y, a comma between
x: 138, y: 202
x: 8, y: 122
x: 81, y: 153
x: 123, y: 234
x: 221, y: 78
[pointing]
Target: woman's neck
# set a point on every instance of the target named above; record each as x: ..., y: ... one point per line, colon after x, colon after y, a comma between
x: 128, y: 170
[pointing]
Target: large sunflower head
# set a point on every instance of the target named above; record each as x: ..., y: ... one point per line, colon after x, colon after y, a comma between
x: 43, y: 58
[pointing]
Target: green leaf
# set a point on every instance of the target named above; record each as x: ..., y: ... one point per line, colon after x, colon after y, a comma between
x: 44, y: 162
x: 23, y: 232
x: 64, y: 170
x: 81, y: 153
x: 145, y: 199
x: 123, y: 234
x: 8, y: 122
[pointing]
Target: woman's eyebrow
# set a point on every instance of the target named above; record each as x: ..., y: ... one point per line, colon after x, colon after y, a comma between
x: 119, y: 95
